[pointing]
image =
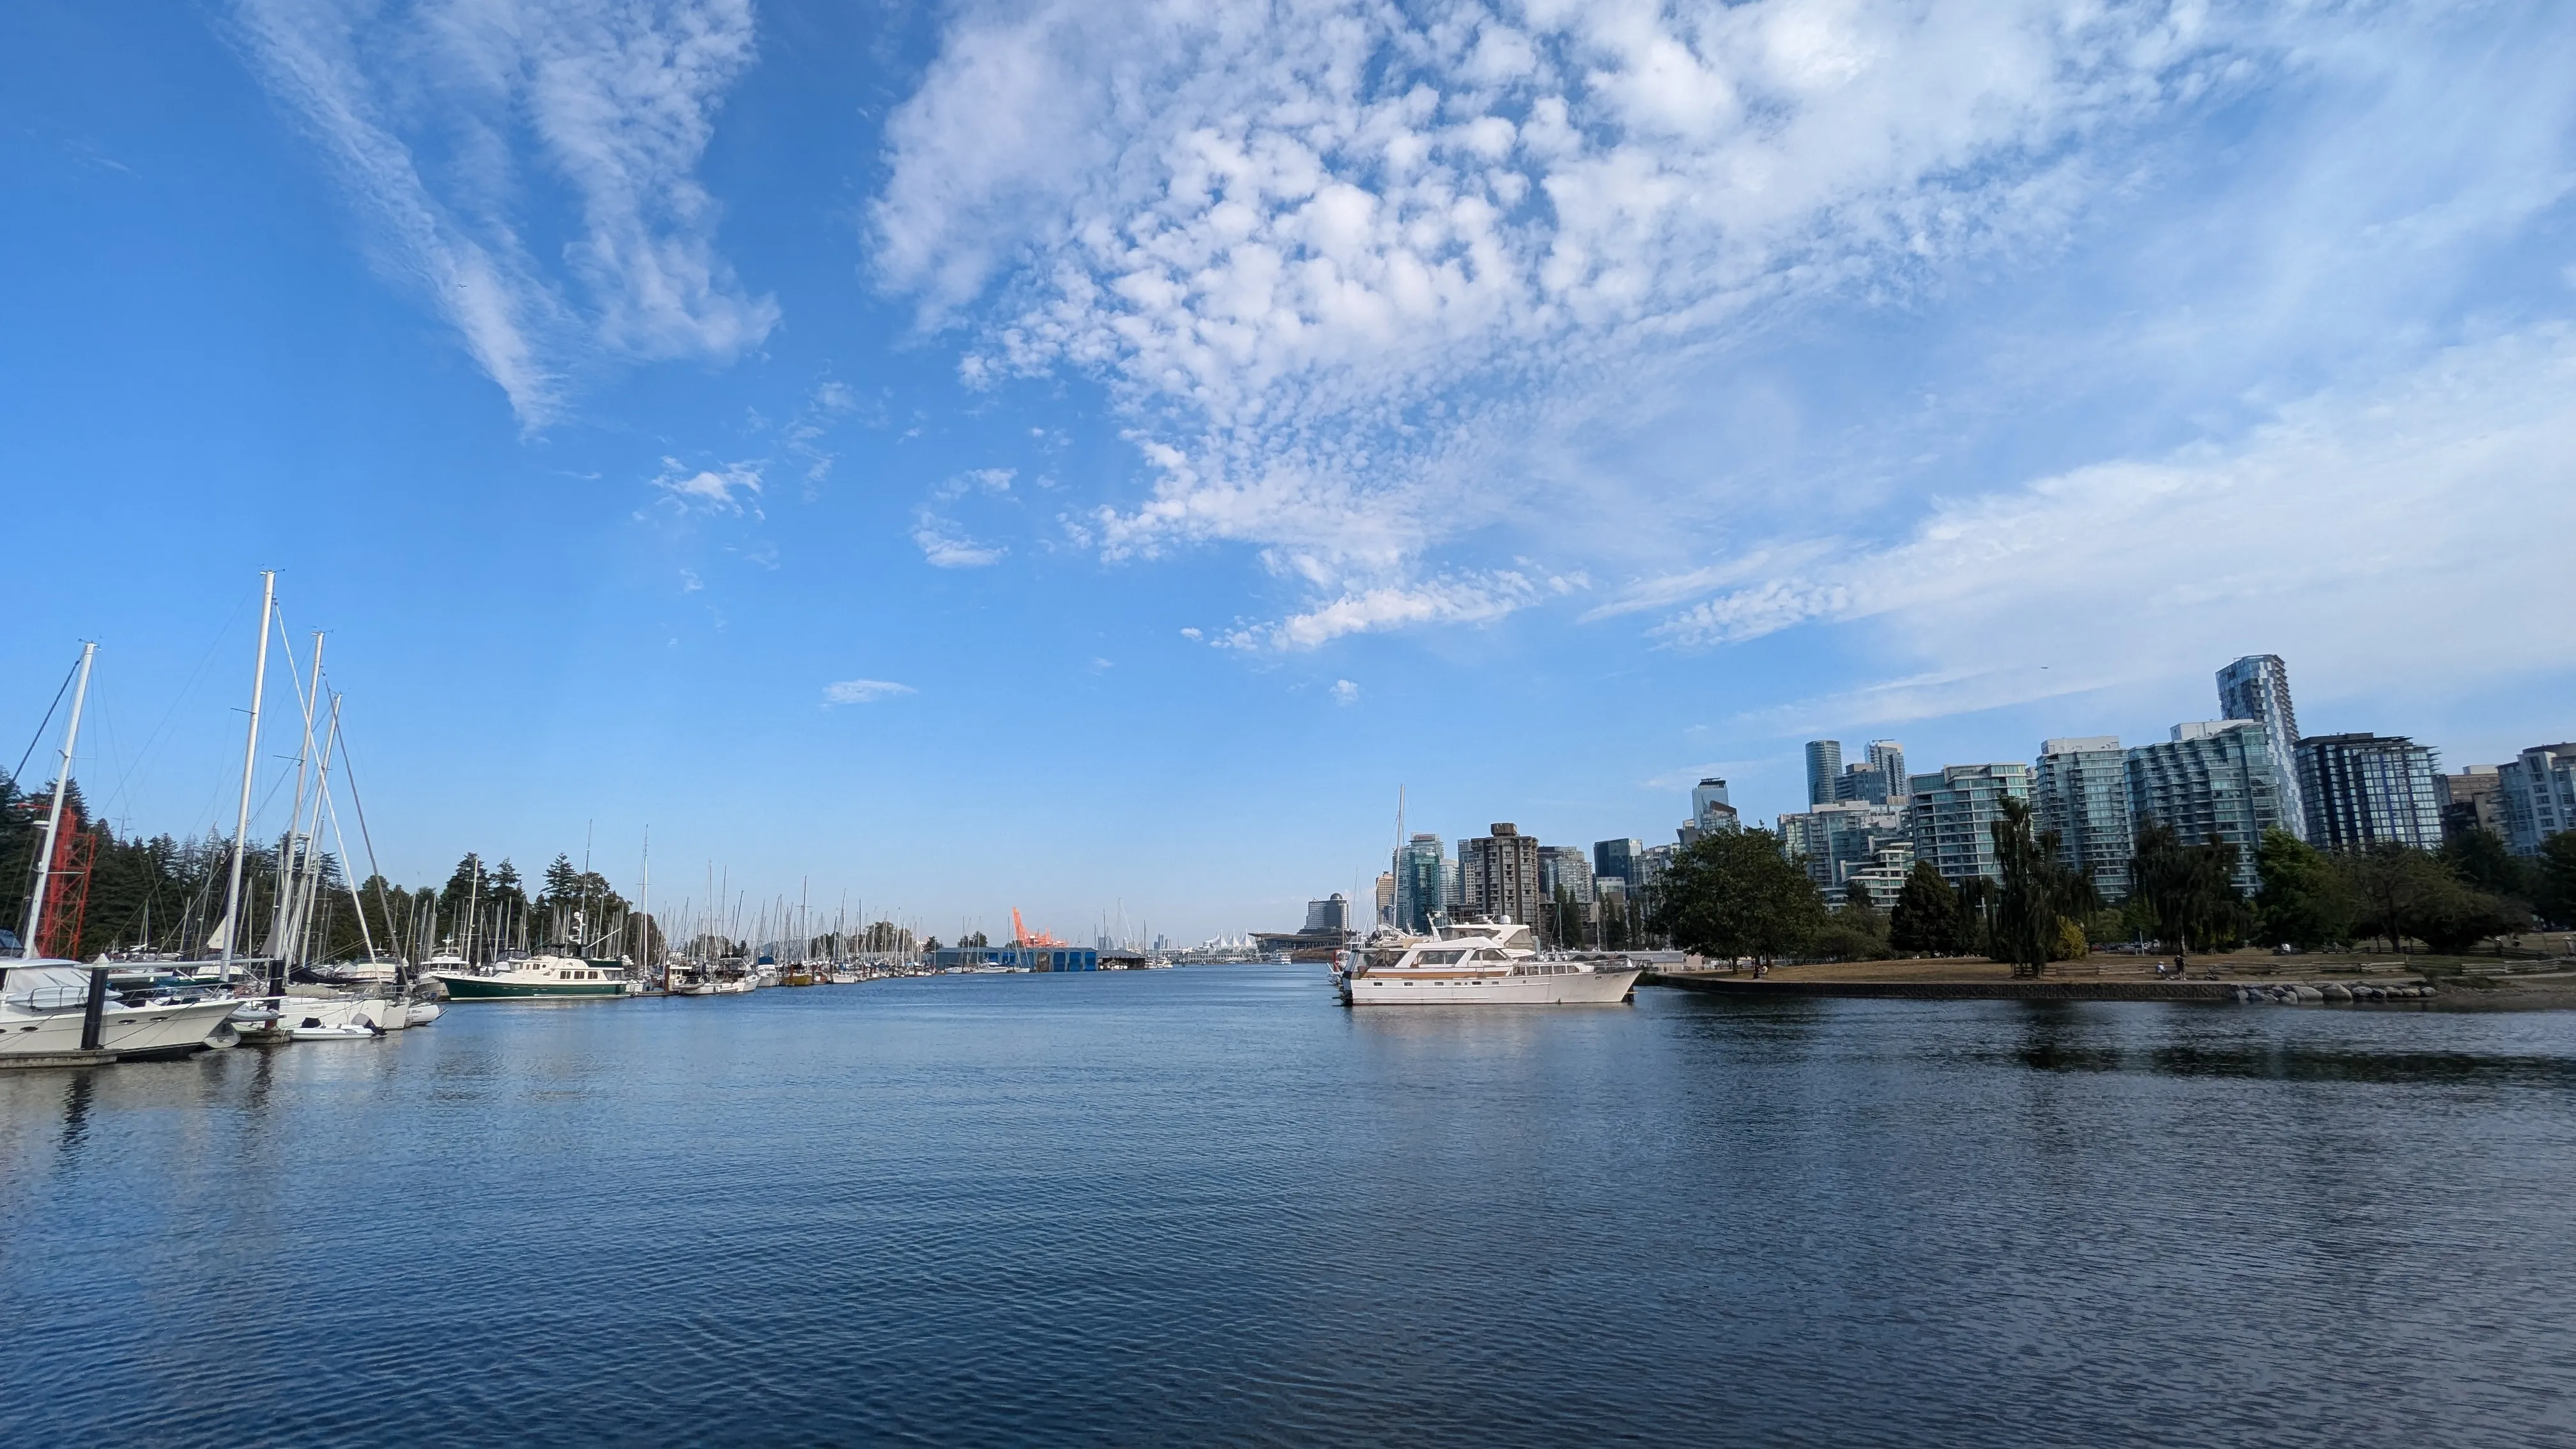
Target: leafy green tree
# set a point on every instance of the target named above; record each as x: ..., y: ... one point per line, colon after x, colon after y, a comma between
x: 1735, y: 893
x: 1857, y: 932
x: 2554, y: 879
x: 2404, y: 892
x: 1926, y: 918
x: 2305, y: 901
x: 2035, y: 895
x: 2479, y: 858
x: 2187, y: 892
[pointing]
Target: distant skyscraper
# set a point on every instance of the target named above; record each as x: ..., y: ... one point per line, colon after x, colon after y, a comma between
x: 1838, y: 838
x: 2081, y: 791
x: 1421, y: 883
x: 1564, y: 870
x: 2257, y: 687
x: 1331, y: 915
x: 2538, y: 791
x: 2212, y: 781
x: 1951, y: 816
x: 1824, y: 765
x: 2471, y: 800
x: 1386, y: 898
x: 1616, y: 859
x: 2364, y: 790
x: 1888, y: 758
x: 1708, y: 804
x: 1498, y: 875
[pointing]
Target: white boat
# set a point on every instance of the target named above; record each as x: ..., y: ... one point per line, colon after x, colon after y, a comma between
x: 353, y: 1031
x: 44, y: 1005
x: 549, y: 978
x: 422, y: 1013
x: 1482, y: 964
x: 286, y: 1018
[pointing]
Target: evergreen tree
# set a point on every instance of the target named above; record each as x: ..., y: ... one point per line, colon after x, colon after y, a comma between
x: 2036, y: 894
x: 1926, y: 918
x: 2554, y: 879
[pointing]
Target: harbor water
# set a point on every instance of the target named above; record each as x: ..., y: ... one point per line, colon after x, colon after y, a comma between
x: 1212, y: 1206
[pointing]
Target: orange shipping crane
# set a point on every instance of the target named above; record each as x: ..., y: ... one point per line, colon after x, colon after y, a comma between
x: 1022, y: 936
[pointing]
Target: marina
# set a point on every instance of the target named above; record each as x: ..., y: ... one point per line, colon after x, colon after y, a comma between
x: 1214, y: 1205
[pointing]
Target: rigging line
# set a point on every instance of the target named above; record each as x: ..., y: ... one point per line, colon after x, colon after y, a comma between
x: 20, y: 773
x: 186, y: 690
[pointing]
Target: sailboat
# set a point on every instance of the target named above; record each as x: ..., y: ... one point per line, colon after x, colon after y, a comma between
x: 52, y: 1007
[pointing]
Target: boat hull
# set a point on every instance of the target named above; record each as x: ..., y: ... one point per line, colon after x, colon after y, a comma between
x: 1571, y: 988
x: 501, y: 988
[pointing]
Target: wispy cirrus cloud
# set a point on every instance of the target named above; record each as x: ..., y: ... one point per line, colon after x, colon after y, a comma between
x: 462, y: 127
x: 946, y: 545
x: 863, y: 691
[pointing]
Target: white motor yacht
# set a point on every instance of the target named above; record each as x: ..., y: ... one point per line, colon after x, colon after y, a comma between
x: 44, y: 1003
x: 1480, y: 964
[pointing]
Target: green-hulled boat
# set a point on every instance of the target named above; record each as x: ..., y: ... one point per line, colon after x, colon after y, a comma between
x: 538, y: 978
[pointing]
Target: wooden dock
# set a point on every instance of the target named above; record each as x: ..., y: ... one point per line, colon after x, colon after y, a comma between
x: 58, y: 1059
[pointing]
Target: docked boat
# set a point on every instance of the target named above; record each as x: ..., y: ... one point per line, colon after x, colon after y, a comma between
x: 535, y: 978
x: 270, y: 1019
x: 1481, y: 964
x: 44, y: 1006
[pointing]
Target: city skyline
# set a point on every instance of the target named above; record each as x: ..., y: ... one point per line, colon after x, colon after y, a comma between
x: 844, y: 441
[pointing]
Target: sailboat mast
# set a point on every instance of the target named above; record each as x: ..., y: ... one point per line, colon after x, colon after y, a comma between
x: 250, y: 761
x: 27, y: 940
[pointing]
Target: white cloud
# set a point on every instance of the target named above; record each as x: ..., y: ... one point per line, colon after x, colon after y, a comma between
x: 733, y: 489
x: 944, y: 545
x: 450, y: 120
x: 1344, y: 692
x: 1321, y: 250
x: 1456, y: 599
x: 863, y: 691
x: 2409, y: 522
x: 976, y: 480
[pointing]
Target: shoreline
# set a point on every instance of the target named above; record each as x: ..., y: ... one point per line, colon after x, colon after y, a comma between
x: 2456, y: 985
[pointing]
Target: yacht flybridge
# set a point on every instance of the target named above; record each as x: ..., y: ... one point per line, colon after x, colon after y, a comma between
x: 1480, y: 964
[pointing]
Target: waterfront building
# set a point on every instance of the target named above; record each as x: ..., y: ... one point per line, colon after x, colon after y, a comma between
x: 1329, y: 916
x: 2362, y: 790
x: 1564, y: 870
x: 1709, y: 809
x: 2081, y: 790
x: 1882, y: 879
x: 1498, y: 876
x: 1422, y: 883
x: 2470, y: 801
x: 1386, y: 898
x: 2216, y: 780
x: 2257, y: 687
x: 2538, y: 792
x: 1878, y: 780
x: 1838, y: 837
x: 1950, y: 816
x: 1616, y: 860
x: 1824, y: 767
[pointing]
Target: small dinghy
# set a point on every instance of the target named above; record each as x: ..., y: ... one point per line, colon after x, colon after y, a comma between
x: 312, y: 1029
x: 425, y: 1012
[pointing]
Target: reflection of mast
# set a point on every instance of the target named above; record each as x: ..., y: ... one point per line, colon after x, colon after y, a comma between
x: 28, y: 947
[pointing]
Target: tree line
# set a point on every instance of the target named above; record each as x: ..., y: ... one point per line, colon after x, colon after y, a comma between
x: 1740, y: 894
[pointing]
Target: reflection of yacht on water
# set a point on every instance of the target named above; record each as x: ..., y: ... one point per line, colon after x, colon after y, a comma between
x: 1478, y: 964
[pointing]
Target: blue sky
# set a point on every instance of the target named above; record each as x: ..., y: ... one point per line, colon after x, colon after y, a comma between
x: 1086, y: 456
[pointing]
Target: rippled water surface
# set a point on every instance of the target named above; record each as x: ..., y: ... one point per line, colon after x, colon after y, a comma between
x: 1212, y: 1206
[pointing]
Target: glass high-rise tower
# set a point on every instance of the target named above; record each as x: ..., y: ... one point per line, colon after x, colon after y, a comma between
x: 2257, y: 687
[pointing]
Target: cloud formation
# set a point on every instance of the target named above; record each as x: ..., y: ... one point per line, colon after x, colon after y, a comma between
x: 863, y: 691
x: 733, y: 489
x: 462, y: 127
x: 1318, y: 247
x: 945, y: 545
x: 2405, y: 522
